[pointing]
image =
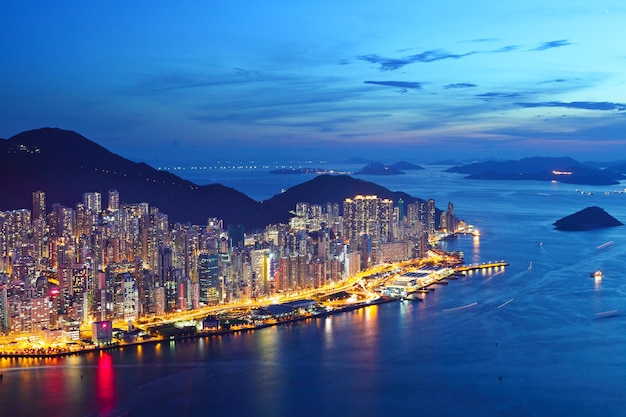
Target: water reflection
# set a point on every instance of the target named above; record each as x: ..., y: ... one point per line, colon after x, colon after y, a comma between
x: 105, y: 386
x: 327, y: 326
x: 476, y: 249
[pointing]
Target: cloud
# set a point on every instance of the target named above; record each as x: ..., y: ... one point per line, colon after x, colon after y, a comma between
x: 391, y: 64
x: 481, y: 40
x: 581, y: 105
x: 552, y: 44
x: 400, y: 84
x: 558, y: 80
x: 507, y: 48
x: 460, y: 85
x: 491, y: 96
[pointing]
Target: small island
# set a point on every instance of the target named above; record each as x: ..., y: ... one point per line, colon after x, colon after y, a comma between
x: 587, y: 219
x: 376, y: 168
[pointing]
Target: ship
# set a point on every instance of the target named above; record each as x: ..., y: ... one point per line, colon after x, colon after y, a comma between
x: 597, y: 274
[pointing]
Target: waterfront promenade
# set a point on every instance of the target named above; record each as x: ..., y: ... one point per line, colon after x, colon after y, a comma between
x: 361, y: 287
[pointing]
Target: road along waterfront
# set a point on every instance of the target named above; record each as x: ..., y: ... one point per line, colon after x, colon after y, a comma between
x: 366, y: 288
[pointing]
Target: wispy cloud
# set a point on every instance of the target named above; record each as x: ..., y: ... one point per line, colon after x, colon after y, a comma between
x: 481, y: 40
x: 400, y: 84
x: 581, y: 105
x: 552, y: 44
x: 507, y: 48
x: 391, y: 64
x: 557, y: 80
x: 493, y: 96
x: 459, y: 85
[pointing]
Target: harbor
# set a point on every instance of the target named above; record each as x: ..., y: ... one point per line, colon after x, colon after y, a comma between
x: 408, y: 284
x: 410, y: 281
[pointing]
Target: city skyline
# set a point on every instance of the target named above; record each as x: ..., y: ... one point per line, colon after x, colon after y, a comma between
x: 197, y: 81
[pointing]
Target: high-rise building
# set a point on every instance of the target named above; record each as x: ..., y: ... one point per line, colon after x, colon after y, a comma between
x: 401, y: 210
x: 208, y: 279
x: 362, y: 213
x: 39, y: 205
x: 4, y: 310
x: 430, y: 216
x: 92, y: 201
x: 236, y: 233
x: 114, y: 200
x: 451, y: 220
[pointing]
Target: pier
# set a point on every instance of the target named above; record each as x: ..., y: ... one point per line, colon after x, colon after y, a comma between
x: 424, y: 285
x: 481, y: 266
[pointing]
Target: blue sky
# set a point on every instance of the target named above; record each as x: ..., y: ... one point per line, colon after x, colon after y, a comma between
x: 422, y: 81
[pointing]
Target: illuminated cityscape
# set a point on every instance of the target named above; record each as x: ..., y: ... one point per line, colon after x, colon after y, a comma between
x: 67, y: 267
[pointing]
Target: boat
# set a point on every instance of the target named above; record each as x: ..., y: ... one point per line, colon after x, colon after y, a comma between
x: 597, y: 274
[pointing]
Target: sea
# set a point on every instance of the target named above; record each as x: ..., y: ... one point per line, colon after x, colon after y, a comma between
x: 540, y: 337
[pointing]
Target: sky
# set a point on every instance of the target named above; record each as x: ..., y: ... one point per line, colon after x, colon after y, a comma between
x: 262, y: 80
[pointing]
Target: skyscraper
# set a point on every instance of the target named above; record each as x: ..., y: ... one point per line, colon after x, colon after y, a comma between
x: 114, y: 200
x: 363, y: 213
x: 430, y: 216
x: 39, y: 205
x: 92, y: 201
x: 208, y: 278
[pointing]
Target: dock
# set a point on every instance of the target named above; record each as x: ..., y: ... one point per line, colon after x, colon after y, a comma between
x: 485, y: 265
x: 427, y: 285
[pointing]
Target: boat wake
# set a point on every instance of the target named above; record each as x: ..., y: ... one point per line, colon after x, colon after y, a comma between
x: 475, y: 303
x: 606, y: 314
x: 505, y: 303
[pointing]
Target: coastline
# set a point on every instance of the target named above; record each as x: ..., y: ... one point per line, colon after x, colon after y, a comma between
x: 199, y: 334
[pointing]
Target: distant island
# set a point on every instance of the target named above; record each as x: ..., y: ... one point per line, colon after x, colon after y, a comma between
x: 313, y: 171
x: 376, y: 168
x: 587, y: 219
x: 406, y: 166
x: 566, y: 170
x: 373, y: 168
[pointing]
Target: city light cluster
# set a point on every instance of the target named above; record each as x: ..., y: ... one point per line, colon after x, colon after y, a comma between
x: 61, y: 268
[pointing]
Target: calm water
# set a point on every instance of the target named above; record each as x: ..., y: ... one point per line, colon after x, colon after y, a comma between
x: 543, y: 354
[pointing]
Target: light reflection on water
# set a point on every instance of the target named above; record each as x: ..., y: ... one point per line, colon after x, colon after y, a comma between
x: 554, y: 355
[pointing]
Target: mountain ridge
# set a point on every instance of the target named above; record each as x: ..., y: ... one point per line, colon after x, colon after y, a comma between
x: 562, y: 169
x: 65, y: 164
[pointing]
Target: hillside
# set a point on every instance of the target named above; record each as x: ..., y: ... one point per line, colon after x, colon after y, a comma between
x: 566, y: 170
x: 65, y: 164
x: 587, y: 219
x: 334, y: 189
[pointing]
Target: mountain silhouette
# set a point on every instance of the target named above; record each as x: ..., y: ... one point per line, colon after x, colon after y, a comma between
x: 562, y: 169
x: 65, y: 165
x: 334, y: 189
x: 587, y: 219
x: 376, y: 168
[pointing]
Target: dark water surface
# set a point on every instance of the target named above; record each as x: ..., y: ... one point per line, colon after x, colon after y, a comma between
x: 544, y: 353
